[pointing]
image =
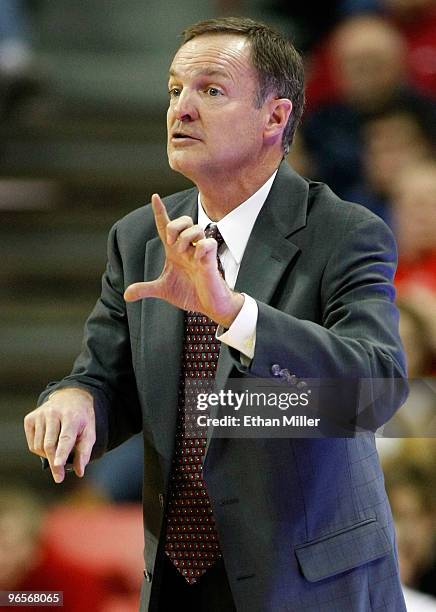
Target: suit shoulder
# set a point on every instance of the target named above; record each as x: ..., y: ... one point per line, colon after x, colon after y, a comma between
x: 325, y: 206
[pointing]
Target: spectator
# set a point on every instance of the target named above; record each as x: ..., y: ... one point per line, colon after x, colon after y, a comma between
x: 414, y: 219
x: 411, y: 490
x: 392, y: 140
x: 415, y: 334
x: 417, y: 417
x: 368, y: 54
x: 357, y: 42
x: 414, y: 19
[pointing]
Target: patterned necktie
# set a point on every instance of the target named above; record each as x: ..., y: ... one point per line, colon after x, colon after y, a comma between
x: 191, y: 540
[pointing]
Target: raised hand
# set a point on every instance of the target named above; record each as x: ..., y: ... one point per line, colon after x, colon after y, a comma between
x: 190, y: 278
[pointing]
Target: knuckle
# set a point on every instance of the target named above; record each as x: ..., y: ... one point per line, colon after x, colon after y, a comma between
x: 195, y: 232
x: 50, y: 408
x: 65, y: 437
x: 206, y: 244
x: 50, y: 414
x: 187, y: 231
x: 29, y: 420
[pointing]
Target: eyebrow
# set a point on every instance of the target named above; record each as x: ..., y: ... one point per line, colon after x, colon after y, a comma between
x: 205, y: 72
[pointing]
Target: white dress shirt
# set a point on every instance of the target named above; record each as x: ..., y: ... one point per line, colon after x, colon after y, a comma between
x: 236, y: 228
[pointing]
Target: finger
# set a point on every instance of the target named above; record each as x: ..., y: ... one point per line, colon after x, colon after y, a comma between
x: 139, y: 291
x: 53, y: 427
x: 29, y: 430
x: 176, y: 227
x: 189, y: 236
x: 160, y: 216
x: 206, y: 252
x: 83, y: 450
x: 66, y: 442
x: 38, y: 440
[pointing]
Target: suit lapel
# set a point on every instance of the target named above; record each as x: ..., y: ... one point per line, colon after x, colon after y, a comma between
x: 269, y: 250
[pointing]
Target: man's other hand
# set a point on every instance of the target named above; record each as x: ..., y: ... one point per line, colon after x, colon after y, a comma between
x: 65, y: 421
x: 190, y: 278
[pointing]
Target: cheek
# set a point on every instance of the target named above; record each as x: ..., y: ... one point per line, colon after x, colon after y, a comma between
x: 170, y: 117
x: 237, y: 133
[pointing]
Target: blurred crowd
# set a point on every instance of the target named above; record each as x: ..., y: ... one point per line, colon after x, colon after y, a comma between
x: 369, y: 131
x: 91, y: 554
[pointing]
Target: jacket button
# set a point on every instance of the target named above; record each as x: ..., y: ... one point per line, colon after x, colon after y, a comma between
x: 148, y: 575
x: 161, y: 500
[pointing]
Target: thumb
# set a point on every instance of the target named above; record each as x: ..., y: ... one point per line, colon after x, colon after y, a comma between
x: 138, y: 291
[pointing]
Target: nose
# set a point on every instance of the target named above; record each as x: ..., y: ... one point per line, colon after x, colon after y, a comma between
x: 185, y: 107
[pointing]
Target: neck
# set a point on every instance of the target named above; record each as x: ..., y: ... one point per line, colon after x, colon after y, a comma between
x: 220, y: 195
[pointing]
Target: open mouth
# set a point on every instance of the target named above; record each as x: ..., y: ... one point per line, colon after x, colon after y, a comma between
x: 179, y: 136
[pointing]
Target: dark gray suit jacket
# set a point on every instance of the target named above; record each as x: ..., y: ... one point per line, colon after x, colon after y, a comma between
x: 304, y: 524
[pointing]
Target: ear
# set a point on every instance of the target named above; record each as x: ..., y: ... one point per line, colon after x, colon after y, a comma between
x: 279, y: 110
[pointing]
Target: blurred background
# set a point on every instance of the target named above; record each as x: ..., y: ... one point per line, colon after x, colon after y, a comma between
x: 82, y: 142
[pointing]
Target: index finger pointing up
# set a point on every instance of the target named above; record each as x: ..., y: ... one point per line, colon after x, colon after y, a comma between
x: 160, y: 216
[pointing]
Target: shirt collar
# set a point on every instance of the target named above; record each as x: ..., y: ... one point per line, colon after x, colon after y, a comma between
x: 236, y: 226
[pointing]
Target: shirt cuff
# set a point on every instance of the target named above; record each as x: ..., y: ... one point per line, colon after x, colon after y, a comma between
x: 241, y: 334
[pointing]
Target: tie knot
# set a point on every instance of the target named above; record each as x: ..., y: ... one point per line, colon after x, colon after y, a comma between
x: 212, y: 231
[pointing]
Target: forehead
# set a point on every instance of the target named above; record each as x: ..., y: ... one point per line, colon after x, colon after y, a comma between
x: 225, y: 54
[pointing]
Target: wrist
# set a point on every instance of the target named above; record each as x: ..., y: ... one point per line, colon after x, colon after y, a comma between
x: 72, y: 392
x: 236, y: 303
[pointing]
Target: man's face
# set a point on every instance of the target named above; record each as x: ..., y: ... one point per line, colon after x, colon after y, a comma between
x: 214, y: 127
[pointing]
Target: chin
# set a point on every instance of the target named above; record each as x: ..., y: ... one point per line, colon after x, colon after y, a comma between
x: 184, y: 166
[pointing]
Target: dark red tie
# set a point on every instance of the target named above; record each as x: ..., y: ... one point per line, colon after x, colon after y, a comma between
x: 191, y: 539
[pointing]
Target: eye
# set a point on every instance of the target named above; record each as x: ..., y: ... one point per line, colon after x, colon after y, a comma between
x: 174, y: 92
x: 213, y: 91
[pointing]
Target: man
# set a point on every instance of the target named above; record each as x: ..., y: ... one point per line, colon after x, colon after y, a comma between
x: 247, y: 524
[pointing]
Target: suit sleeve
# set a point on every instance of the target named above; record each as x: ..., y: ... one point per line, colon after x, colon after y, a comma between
x: 358, y: 337
x: 104, y: 366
